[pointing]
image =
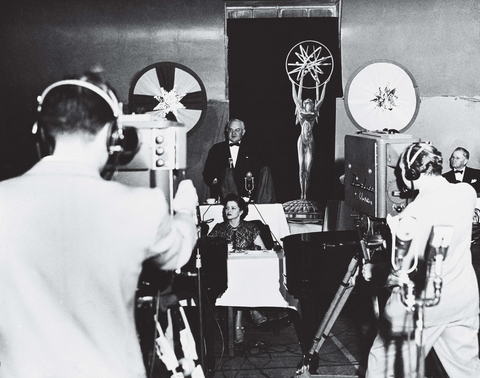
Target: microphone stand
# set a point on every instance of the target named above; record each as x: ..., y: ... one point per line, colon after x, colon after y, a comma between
x: 419, y: 311
x: 198, y: 266
x: 436, y: 250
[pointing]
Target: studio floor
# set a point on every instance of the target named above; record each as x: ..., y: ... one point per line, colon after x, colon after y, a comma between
x: 269, y: 355
x: 277, y: 354
x: 343, y: 354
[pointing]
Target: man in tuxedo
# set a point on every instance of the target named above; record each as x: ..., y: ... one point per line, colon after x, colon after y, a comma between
x: 460, y: 172
x: 230, y: 162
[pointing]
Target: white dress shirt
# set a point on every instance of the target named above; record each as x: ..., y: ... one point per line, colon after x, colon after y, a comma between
x: 234, y: 154
x: 459, y: 174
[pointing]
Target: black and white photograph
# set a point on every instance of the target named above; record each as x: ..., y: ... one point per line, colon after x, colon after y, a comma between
x: 235, y: 189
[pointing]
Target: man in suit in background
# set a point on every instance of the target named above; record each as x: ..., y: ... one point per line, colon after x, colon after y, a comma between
x: 460, y: 172
x: 72, y: 245
x: 230, y: 163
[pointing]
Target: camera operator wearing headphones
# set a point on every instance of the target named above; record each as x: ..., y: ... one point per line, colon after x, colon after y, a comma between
x: 72, y: 245
x: 450, y: 327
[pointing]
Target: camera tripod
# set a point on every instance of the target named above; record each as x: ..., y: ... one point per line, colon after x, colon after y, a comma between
x: 368, y: 246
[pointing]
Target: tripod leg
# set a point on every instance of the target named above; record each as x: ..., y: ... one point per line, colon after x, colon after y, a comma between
x: 333, y: 318
x: 334, y: 310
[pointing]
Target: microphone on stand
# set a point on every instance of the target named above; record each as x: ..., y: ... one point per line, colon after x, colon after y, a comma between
x: 403, y: 240
x: 249, y: 183
x: 201, y: 224
x: 440, y: 238
x: 402, y: 246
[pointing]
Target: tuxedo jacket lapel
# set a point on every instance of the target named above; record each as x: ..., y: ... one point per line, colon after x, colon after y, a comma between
x: 242, y: 157
x: 450, y: 176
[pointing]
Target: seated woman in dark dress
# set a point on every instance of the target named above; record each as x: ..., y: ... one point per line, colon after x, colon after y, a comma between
x: 243, y: 235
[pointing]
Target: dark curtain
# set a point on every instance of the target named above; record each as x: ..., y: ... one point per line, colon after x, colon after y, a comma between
x: 260, y: 94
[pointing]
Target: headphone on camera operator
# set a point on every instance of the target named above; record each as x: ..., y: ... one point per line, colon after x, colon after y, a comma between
x: 80, y: 91
x: 414, y: 166
x: 412, y: 173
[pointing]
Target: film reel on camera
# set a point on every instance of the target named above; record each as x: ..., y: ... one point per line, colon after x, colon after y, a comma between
x: 380, y: 95
x: 172, y: 91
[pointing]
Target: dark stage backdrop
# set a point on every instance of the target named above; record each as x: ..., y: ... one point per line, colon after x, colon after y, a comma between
x: 260, y: 94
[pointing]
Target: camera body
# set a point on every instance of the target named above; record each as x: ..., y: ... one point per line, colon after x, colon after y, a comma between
x: 155, y: 152
x: 371, y: 176
x: 161, y: 144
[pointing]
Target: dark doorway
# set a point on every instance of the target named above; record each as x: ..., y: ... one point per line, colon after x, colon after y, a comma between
x: 260, y: 94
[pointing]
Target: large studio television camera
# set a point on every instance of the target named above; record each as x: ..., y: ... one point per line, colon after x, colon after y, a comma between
x: 153, y: 149
x: 160, y: 144
x: 170, y: 102
x: 371, y: 176
x: 382, y: 101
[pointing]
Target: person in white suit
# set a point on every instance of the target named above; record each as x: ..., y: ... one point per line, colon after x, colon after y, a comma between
x: 450, y: 323
x: 72, y: 246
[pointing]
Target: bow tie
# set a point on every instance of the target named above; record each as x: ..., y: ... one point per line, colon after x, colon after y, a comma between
x: 457, y: 171
x: 234, y: 144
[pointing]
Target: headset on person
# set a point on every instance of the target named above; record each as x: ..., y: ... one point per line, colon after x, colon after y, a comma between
x: 115, y: 139
x: 412, y: 173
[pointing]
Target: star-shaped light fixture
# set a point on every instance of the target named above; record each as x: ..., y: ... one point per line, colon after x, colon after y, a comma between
x: 309, y: 62
x: 385, y: 99
x: 169, y: 101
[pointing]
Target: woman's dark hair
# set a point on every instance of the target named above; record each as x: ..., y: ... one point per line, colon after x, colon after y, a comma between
x: 242, y: 205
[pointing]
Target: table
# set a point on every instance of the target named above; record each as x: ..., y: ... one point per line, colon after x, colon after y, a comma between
x: 271, y: 214
x: 255, y: 279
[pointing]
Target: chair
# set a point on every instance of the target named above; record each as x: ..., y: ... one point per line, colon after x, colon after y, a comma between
x: 265, y: 233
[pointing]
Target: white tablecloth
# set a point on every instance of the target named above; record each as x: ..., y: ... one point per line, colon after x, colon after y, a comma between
x: 271, y: 214
x: 256, y: 279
